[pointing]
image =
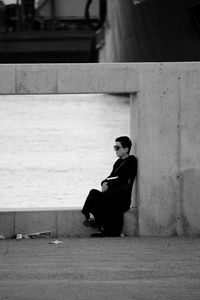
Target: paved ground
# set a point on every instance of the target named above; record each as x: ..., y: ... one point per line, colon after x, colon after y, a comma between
x: 109, y: 268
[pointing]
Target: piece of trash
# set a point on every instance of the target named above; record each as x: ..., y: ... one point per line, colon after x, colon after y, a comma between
x: 26, y: 237
x: 19, y: 236
x: 2, y: 237
x: 56, y: 242
x: 41, y: 234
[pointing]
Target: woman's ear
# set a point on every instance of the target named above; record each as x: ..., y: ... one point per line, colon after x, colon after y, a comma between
x: 127, y: 149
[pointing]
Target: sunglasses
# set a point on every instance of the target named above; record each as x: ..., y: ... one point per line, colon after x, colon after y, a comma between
x: 116, y: 148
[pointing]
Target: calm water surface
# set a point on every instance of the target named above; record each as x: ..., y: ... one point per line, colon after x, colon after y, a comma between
x: 54, y: 149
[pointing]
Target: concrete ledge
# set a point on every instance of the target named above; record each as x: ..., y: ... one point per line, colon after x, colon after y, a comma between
x: 67, y: 78
x: 61, y: 222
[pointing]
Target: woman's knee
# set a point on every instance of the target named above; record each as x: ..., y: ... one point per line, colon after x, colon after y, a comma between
x: 94, y: 192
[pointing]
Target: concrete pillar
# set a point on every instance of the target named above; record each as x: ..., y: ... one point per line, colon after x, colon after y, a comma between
x: 190, y: 148
x: 168, y: 143
x: 134, y: 134
x: 157, y: 107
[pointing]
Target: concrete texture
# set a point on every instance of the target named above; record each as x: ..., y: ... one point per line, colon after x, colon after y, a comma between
x: 168, y: 113
x: 66, y: 78
x: 60, y: 222
x: 112, y: 268
x: 165, y: 114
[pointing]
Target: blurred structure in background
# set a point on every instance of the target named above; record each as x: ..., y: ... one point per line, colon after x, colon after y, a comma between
x: 50, y: 30
x: 152, y: 31
x: 76, y: 31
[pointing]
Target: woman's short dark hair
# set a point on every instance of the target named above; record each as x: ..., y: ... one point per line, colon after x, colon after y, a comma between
x: 125, y: 142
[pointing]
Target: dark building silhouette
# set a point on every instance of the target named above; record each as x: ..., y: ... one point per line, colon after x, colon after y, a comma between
x: 99, y: 31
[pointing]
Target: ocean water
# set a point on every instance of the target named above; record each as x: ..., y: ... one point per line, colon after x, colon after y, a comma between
x: 55, y: 148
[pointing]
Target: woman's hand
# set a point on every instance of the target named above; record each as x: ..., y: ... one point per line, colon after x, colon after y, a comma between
x: 104, y: 187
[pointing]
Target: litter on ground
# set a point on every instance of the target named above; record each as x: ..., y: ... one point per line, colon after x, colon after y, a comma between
x: 56, y: 242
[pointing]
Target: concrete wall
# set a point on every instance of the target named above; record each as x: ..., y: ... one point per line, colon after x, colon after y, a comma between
x: 67, y: 78
x: 165, y: 127
x: 60, y: 222
x: 168, y: 143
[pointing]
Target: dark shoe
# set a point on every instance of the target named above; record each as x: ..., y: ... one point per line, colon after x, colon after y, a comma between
x: 104, y: 234
x: 98, y: 234
x: 90, y: 223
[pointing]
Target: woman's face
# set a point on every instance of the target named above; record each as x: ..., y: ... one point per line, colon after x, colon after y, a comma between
x: 120, y: 151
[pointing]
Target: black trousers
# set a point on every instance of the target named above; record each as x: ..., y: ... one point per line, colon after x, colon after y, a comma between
x: 105, y: 210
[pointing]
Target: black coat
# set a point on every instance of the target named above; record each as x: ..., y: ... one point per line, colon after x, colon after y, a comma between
x: 120, y: 183
x: 108, y: 207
